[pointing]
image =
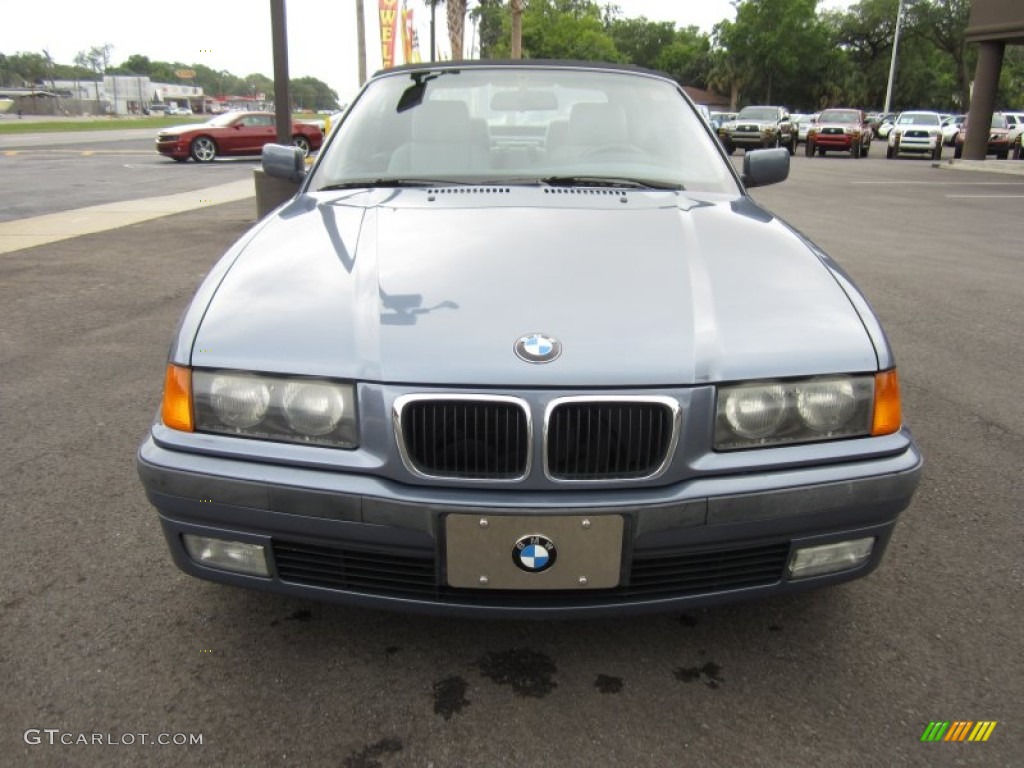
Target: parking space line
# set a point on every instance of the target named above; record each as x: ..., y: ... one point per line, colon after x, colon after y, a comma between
x: 81, y: 152
x: 945, y: 183
x: 987, y: 197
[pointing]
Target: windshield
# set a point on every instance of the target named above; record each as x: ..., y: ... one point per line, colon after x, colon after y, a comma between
x: 770, y: 114
x: 917, y: 118
x: 522, y: 125
x: 839, y: 116
x: 223, y: 120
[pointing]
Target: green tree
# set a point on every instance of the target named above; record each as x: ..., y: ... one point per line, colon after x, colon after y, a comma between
x: 136, y: 64
x: 727, y: 69
x: 493, y: 24
x: 772, y: 41
x: 27, y: 69
x: 944, y: 24
x: 312, y: 94
x: 640, y: 41
x: 97, y: 60
x: 455, y: 11
x: 566, y: 29
x: 687, y: 58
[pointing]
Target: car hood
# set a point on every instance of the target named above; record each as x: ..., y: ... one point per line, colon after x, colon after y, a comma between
x: 435, y: 287
x: 915, y: 127
x: 178, y: 130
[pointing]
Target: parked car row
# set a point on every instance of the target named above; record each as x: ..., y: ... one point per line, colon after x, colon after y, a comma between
x: 754, y: 127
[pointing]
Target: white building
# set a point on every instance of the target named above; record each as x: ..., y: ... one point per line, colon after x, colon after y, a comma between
x: 125, y: 95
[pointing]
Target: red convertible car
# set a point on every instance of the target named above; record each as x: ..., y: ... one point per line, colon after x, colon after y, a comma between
x: 233, y: 133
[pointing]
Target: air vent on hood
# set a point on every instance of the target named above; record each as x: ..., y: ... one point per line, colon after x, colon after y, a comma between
x: 583, y: 191
x: 469, y: 191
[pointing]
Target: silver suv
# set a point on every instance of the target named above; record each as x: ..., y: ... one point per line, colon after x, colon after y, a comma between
x: 759, y: 127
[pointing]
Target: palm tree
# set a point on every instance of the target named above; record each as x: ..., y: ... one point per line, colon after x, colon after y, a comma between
x: 456, y: 23
x: 517, y: 28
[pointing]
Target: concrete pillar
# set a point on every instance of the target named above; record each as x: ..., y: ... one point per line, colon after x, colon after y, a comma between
x: 271, y: 192
x: 983, y: 98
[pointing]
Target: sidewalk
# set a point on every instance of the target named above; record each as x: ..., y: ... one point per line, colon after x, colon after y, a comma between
x: 54, y: 227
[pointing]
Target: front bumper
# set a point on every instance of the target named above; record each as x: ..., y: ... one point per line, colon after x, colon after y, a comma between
x: 757, y: 139
x: 833, y: 141
x: 175, y: 149
x: 903, y: 143
x: 363, y: 540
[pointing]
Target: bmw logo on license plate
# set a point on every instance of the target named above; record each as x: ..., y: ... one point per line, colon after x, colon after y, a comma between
x: 534, y: 553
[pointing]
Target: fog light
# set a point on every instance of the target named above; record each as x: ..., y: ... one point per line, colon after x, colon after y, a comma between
x: 830, y: 558
x: 234, y: 556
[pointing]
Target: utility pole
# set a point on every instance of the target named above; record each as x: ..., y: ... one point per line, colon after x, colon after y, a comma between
x: 892, y: 62
x: 361, y: 41
x: 282, y: 93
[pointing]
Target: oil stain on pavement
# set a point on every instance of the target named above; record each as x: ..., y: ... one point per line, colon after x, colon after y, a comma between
x: 528, y: 672
x: 711, y: 673
x: 367, y: 756
x: 450, y: 696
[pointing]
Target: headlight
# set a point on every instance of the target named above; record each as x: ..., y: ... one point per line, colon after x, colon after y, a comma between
x: 295, y: 410
x: 754, y: 411
x: 239, y: 401
x: 312, y: 407
x: 765, y: 413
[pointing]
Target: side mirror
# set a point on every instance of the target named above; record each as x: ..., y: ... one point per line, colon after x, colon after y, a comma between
x: 281, y: 162
x: 762, y: 167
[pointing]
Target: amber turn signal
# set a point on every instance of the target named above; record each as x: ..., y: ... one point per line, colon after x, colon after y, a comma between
x: 888, y: 415
x: 176, y: 410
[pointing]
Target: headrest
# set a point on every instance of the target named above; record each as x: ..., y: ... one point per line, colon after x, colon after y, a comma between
x: 596, y: 124
x: 441, y: 121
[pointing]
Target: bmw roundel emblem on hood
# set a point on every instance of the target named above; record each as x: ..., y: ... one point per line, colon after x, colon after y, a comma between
x: 534, y: 553
x: 538, y: 348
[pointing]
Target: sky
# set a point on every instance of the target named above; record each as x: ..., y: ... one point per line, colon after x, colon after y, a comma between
x: 321, y: 33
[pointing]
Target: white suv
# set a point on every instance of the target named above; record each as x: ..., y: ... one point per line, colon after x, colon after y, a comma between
x: 1015, y: 122
x: 919, y: 132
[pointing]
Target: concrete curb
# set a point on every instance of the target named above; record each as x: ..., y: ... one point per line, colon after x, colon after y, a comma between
x: 1011, y: 167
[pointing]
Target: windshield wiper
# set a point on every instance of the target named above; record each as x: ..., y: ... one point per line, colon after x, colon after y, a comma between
x: 615, y: 182
x: 388, y: 184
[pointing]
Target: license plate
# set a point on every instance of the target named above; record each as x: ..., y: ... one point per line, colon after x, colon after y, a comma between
x: 533, y: 551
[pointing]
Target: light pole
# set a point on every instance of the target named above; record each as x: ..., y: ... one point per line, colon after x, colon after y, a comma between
x: 892, y: 62
x: 361, y: 41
